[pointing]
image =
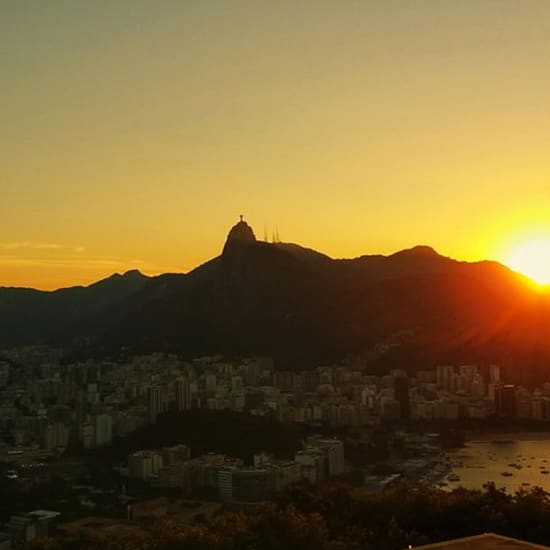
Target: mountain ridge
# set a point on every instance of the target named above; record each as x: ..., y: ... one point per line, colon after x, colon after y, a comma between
x: 299, y: 306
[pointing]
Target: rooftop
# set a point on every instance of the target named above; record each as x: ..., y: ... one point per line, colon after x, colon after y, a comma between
x: 487, y: 541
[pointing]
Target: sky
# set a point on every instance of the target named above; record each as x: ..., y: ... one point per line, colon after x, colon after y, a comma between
x: 134, y: 133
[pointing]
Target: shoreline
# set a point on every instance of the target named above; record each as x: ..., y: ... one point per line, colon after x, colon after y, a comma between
x: 475, y: 437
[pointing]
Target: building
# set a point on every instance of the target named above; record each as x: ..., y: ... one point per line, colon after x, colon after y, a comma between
x: 183, y: 394
x: 144, y: 464
x: 26, y: 527
x: 494, y: 374
x: 176, y: 454
x: 477, y: 387
x: 312, y: 462
x: 445, y: 377
x: 390, y: 409
x: 506, y: 400
x: 56, y: 436
x: 401, y: 395
x: 103, y: 429
x: 5, y: 541
x: 487, y: 541
x: 333, y: 450
x: 244, y: 484
x: 156, y: 402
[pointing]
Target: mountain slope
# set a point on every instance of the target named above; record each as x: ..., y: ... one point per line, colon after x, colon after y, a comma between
x: 33, y: 316
x: 411, y: 309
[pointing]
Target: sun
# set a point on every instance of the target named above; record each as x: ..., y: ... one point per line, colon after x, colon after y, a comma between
x: 532, y: 258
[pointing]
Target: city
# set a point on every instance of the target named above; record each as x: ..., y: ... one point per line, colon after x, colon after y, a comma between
x: 274, y: 275
x: 50, y: 411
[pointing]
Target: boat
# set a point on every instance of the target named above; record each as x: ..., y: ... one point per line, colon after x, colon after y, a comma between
x: 507, y: 474
x: 453, y: 477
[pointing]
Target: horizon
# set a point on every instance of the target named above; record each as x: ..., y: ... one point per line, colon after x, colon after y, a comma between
x: 261, y: 240
x: 540, y: 288
x: 131, y: 130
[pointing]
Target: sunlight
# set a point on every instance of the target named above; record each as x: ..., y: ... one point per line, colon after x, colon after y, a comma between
x: 532, y: 258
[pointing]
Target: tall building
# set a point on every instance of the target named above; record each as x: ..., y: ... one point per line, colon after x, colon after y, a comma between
x: 333, y: 450
x: 469, y: 371
x: 312, y: 462
x: 401, y: 395
x: 56, y: 436
x: 143, y: 464
x: 176, y: 454
x: 284, y: 380
x: 183, y: 394
x: 311, y: 380
x: 494, y: 374
x: 103, y: 429
x: 445, y: 377
x: 506, y: 400
x: 156, y: 402
x: 478, y: 386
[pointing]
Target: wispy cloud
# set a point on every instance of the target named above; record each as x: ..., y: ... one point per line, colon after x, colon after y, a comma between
x: 27, y: 245
x: 30, y: 246
x: 78, y: 262
x: 68, y: 264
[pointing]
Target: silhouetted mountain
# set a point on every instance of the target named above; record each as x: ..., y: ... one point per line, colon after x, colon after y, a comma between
x: 412, y: 309
x: 34, y: 316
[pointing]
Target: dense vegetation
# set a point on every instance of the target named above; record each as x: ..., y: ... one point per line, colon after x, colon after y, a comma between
x: 228, y: 432
x: 332, y: 517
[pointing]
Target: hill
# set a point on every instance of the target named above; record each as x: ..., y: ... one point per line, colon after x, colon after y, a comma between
x: 412, y: 309
x: 227, y: 432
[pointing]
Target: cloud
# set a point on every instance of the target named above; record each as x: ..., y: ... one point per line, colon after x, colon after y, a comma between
x: 28, y: 245
x: 70, y: 264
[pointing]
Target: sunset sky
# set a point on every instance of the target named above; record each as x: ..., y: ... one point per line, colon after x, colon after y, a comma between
x: 133, y: 132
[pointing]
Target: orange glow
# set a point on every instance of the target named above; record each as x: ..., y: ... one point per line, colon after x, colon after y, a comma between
x: 532, y: 258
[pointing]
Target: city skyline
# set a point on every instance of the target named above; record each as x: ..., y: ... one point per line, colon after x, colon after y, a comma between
x: 134, y: 134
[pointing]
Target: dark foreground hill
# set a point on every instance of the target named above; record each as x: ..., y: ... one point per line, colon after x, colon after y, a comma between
x: 412, y: 309
x: 227, y: 432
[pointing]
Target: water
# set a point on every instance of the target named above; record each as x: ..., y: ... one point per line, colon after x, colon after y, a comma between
x: 481, y: 461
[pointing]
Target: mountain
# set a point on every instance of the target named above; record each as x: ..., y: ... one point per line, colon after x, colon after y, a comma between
x: 412, y: 309
x: 34, y: 316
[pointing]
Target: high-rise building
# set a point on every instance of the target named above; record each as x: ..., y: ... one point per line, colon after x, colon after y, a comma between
x: 56, y: 436
x: 333, y: 450
x: 156, y: 402
x: 469, y: 371
x: 284, y: 380
x: 506, y: 400
x: 478, y: 386
x: 183, y: 394
x: 103, y: 429
x: 401, y: 395
x: 312, y: 462
x: 445, y: 377
x: 173, y: 455
x: 311, y: 380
